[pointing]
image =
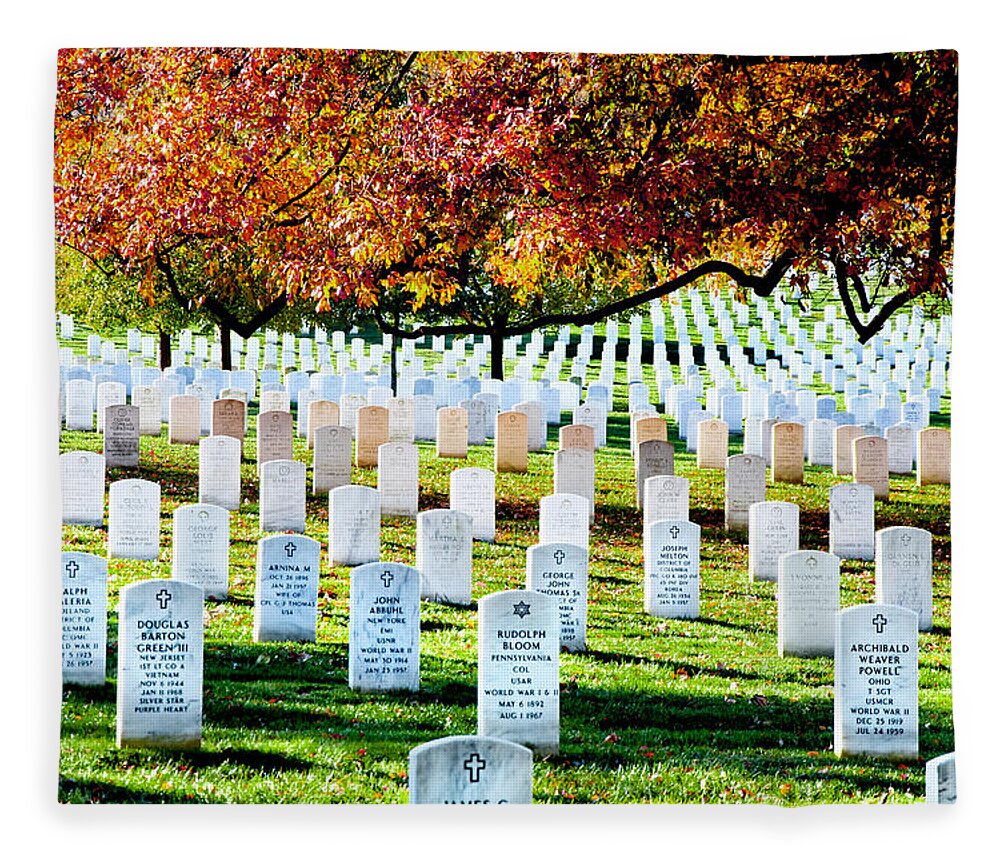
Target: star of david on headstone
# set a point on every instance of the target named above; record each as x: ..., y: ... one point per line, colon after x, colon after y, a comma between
x: 521, y: 609
x: 164, y: 597
x: 474, y: 765
x: 559, y: 556
x: 674, y: 531
x: 387, y: 578
x: 72, y: 569
x: 879, y: 622
x: 290, y: 549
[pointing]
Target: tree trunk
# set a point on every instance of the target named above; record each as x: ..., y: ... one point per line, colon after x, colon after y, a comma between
x: 226, y: 341
x: 165, y: 355
x: 496, y: 354
x: 393, y: 371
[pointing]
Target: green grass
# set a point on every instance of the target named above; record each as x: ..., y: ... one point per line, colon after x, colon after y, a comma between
x: 654, y: 711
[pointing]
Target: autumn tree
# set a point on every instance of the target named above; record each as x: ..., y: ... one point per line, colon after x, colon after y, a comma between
x: 476, y: 193
x: 194, y: 171
x: 523, y: 190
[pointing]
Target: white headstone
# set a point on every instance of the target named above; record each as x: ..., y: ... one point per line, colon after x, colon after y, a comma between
x: 283, y: 496
x: 472, y: 491
x: 875, y: 708
x: 774, y: 530
x: 84, y: 618
x: 852, y: 521
x: 201, y: 548
x: 355, y: 525
x: 518, y: 682
x: 398, y: 473
x: 672, y: 562
x: 160, y: 664
x: 219, y: 478
x: 81, y: 480
x: 108, y: 394
x: 808, y: 596
x: 903, y: 565
x: 79, y: 394
x: 939, y: 779
x: 470, y: 769
x: 560, y: 570
x: 573, y: 472
x: 444, y: 556
x: 384, y: 627
x: 287, y: 589
x: 564, y: 518
x: 665, y: 497
x: 134, y: 519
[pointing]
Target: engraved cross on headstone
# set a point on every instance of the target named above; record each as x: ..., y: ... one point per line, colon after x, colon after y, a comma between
x: 164, y: 597
x: 559, y: 555
x: 290, y: 549
x: 474, y: 765
x: 674, y: 531
x: 880, y: 621
x: 387, y: 578
x: 72, y: 569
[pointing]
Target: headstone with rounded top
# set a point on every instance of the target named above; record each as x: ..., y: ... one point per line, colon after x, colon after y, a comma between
x: 444, y: 556
x: 808, y: 597
x: 384, y: 627
x: 283, y: 496
x: 745, y: 485
x: 84, y: 618
x: 519, y: 663
x: 287, y: 589
x: 134, y: 519
x: 121, y: 437
x: 160, y: 664
x: 472, y: 491
x: 933, y: 456
x: 81, y: 480
x: 774, y: 531
x: 672, y: 562
x: 903, y: 571
x: 852, y: 521
x: 875, y: 706
x: 470, y: 769
x: 560, y: 570
x: 219, y: 478
x: 201, y: 548
x: 398, y: 476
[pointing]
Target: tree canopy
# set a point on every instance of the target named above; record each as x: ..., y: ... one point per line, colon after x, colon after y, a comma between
x: 498, y: 192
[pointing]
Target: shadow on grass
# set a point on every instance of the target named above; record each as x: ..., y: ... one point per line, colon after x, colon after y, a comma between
x: 92, y: 791
x: 712, y: 724
x: 673, y: 667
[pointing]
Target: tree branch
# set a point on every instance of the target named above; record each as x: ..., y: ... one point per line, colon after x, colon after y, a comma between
x: 865, y: 331
x: 761, y: 285
x: 347, y: 145
x: 218, y: 310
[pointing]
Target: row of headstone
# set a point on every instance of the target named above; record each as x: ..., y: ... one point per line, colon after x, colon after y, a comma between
x: 161, y: 658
